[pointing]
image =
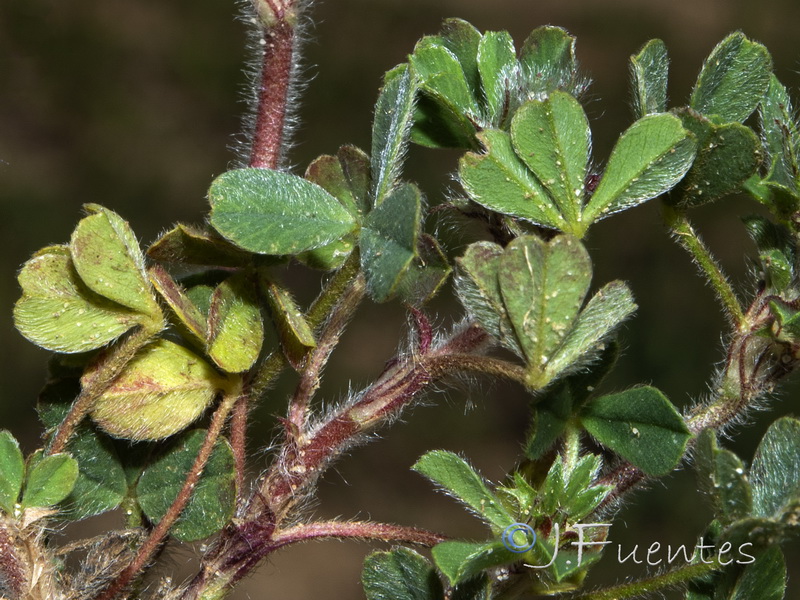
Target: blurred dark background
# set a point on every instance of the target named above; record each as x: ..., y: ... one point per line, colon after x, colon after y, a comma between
x: 135, y: 105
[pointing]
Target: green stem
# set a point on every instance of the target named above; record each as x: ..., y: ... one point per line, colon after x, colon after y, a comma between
x: 651, y: 585
x: 688, y: 238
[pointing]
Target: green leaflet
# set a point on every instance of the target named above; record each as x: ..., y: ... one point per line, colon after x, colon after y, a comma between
x: 426, y: 274
x: 547, y: 61
x: 50, y: 479
x: 296, y: 336
x: 781, y: 136
x: 162, y: 390
x: 764, y: 579
x: 722, y: 477
x: 442, y: 78
x: 641, y: 425
x: 500, y: 181
x: 455, y: 476
x: 213, y: 499
x: 108, y: 260
x: 190, y: 317
x: 235, y: 329
x: 197, y: 246
x: 497, y: 64
x: 460, y: 561
x: 650, y: 157
x: 58, y: 312
x: 727, y: 156
x: 649, y: 72
x: 389, y: 241
x: 733, y: 79
x: 394, y: 113
x: 271, y: 212
x: 543, y: 286
x: 12, y: 471
x: 463, y: 40
x: 553, y: 138
x: 609, y: 307
x: 345, y: 176
x: 479, y: 291
x: 776, y: 250
x: 400, y: 574
x: 775, y: 472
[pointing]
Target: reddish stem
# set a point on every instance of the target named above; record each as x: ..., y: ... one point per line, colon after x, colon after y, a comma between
x: 239, y: 440
x: 273, y: 93
x: 363, y: 530
x: 12, y: 570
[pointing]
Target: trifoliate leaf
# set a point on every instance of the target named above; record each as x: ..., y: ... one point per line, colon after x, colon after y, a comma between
x: 272, y: 212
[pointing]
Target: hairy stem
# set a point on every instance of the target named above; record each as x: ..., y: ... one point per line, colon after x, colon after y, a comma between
x: 239, y: 441
x: 278, y: 19
x: 304, y: 457
x: 159, y: 533
x: 96, y: 380
x: 340, y: 315
x: 651, y: 585
x: 690, y: 241
x: 362, y: 530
